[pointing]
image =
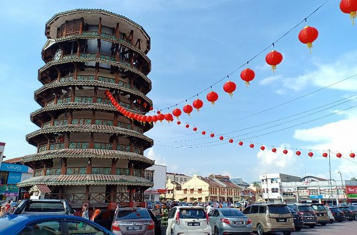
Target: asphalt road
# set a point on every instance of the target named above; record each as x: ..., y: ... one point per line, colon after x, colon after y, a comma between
x: 343, y: 228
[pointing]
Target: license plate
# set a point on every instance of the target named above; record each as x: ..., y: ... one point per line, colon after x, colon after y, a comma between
x: 133, y: 228
x: 281, y: 220
x: 309, y: 218
x: 238, y: 222
x: 194, y: 224
x: 320, y: 214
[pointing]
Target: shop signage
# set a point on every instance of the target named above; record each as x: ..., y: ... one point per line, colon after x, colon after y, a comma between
x: 351, y: 191
x: 13, y: 167
x: 14, y: 178
x: 315, y: 196
x: 4, y: 188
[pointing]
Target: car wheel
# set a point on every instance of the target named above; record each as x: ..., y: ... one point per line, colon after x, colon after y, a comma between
x: 298, y: 229
x: 323, y: 224
x: 312, y: 226
x: 286, y: 233
x: 331, y: 221
x: 215, y: 231
x: 260, y: 229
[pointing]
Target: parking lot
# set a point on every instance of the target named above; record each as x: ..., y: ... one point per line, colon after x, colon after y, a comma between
x: 345, y: 228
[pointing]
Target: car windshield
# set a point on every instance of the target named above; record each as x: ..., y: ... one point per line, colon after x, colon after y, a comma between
x: 231, y: 213
x: 44, y: 207
x: 192, y: 213
x: 318, y: 207
x: 133, y: 214
x: 305, y: 208
x: 278, y: 209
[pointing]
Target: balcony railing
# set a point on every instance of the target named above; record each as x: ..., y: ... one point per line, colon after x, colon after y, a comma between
x: 96, y: 170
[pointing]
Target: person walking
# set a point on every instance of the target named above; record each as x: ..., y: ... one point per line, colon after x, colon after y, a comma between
x: 164, y: 218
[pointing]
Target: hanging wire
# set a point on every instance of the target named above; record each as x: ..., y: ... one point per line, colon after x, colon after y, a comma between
x: 246, y: 63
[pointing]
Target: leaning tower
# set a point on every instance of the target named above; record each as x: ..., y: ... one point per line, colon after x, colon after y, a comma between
x: 87, y: 151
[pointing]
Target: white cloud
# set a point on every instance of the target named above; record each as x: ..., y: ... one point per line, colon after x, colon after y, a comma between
x: 156, y: 157
x: 324, y: 75
x: 269, y: 162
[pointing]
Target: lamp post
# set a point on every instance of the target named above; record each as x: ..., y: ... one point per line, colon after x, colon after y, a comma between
x: 343, y: 188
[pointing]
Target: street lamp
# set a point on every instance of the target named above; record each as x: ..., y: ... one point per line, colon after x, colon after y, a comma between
x: 343, y: 188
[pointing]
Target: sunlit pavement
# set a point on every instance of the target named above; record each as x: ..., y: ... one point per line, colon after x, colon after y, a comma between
x: 343, y: 228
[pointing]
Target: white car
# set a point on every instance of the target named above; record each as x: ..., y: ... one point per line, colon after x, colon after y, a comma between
x: 188, y: 220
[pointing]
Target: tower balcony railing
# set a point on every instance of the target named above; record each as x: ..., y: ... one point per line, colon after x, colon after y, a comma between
x: 95, y: 170
x: 85, y: 145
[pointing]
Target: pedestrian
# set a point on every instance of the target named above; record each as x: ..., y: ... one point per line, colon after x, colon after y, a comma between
x: 3, y: 212
x: 8, y: 206
x: 164, y: 218
x: 208, y: 208
x: 85, y: 212
x: 96, y: 212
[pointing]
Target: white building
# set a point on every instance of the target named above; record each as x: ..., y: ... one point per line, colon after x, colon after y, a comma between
x: 271, y: 185
x: 2, y: 149
x: 178, y: 178
x: 159, y: 173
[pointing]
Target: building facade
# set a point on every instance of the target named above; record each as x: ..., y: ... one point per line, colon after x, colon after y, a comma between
x: 351, y: 190
x: 87, y: 151
x: 158, y: 190
x: 176, y: 177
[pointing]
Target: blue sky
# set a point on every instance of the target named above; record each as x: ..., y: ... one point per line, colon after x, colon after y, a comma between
x: 195, y: 44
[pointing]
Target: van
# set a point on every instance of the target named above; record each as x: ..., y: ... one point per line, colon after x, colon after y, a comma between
x: 270, y: 218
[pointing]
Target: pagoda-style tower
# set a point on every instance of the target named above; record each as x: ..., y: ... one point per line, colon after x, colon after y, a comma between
x: 87, y: 151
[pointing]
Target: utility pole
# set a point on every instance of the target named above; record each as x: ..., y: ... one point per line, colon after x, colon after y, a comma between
x: 329, y: 163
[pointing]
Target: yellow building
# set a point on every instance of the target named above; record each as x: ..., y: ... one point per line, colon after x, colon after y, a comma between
x: 204, y: 189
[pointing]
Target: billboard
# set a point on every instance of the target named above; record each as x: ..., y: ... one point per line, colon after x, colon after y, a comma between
x: 14, y: 167
x: 14, y: 177
x: 351, y: 191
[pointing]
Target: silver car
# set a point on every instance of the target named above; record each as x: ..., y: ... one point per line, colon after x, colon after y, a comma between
x: 229, y: 220
x: 133, y: 221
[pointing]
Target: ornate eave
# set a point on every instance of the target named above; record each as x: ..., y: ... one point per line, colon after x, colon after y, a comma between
x: 74, y: 59
x: 56, y: 180
x: 95, y: 83
x: 89, y: 128
x: 87, y: 153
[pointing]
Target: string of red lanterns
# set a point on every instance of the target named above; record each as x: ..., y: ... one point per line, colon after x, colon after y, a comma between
x: 349, y: 7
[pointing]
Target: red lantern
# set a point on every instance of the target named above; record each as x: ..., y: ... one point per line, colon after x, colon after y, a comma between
x: 349, y: 7
x: 251, y: 145
x: 187, y: 109
x: 187, y: 126
x: 212, y: 135
x: 339, y: 155
x: 178, y: 122
x: 139, y: 101
x: 308, y: 35
x: 136, y: 117
x: 158, y: 112
x: 151, y: 108
x: 212, y: 97
x: 143, y: 118
x: 298, y: 153
x: 310, y: 154
x: 324, y: 154
x: 145, y: 104
x: 274, y: 58
x: 247, y: 75
x: 154, y: 118
x: 203, y: 132
x: 221, y: 137
x: 352, y: 155
x: 240, y: 143
x: 285, y: 151
x: 197, y: 104
x: 169, y: 117
x: 262, y: 148
x: 273, y: 150
x: 231, y: 141
x: 176, y: 113
x: 195, y: 129
x: 160, y: 117
x: 149, y: 119
x: 131, y: 115
x: 229, y: 87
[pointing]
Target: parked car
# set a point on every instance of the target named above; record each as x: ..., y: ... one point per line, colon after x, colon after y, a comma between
x: 321, y: 213
x: 337, y: 214
x: 26, y: 224
x: 229, y: 220
x: 134, y: 220
x: 354, y: 209
x: 308, y: 214
x: 44, y: 206
x: 188, y: 220
x: 270, y: 218
x: 330, y: 215
x: 349, y: 214
x: 298, y: 222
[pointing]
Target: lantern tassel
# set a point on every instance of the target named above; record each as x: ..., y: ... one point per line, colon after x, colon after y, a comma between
x: 247, y: 83
x: 309, y: 45
x: 231, y: 95
x: 353, y: 16
x: 212, y: 103
x: 273, y: 67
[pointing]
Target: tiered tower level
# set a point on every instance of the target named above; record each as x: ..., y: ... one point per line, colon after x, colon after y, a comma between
x: 87, y: 151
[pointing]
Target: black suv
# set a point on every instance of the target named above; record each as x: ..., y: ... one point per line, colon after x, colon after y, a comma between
x: 308, y: 214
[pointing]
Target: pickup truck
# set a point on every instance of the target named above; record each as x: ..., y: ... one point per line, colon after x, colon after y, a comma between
x: 44, y: 206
